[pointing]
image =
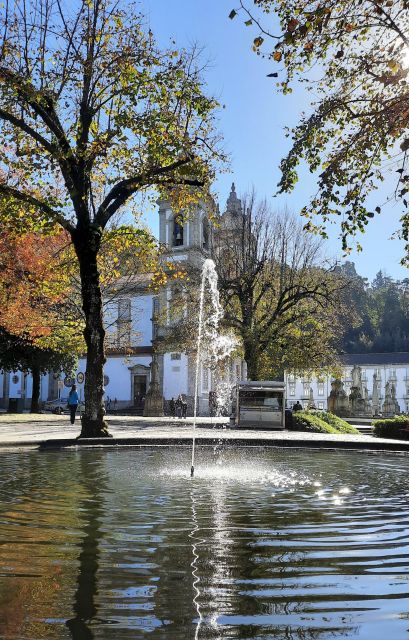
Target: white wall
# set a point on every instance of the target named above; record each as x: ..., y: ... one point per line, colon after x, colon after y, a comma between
x: 142, y: 311
x: 117, y: 370
x: 386, y: 372
x: 174, y: 376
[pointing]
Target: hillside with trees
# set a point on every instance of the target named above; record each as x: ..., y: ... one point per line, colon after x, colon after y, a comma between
x: 382, y: 308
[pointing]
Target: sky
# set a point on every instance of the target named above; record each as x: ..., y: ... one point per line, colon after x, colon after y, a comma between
x: 253, y: 119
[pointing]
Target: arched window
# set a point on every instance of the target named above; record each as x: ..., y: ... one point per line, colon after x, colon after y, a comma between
x: 177, y: 231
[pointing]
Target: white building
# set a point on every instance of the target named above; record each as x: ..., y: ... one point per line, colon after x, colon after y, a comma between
x: 386, y: 367
x: 130, y: 327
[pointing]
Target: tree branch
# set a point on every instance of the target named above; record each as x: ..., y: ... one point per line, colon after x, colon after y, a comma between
x: 124, y: 189
x: 21, y: 124
x: 42, y: 206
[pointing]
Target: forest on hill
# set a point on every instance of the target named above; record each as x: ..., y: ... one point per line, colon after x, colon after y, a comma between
x: 382, y: 308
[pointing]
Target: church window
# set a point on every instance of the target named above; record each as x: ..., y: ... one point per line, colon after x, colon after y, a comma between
x: 124, y: 322
x: 292, y: 388
x: 124, y: 310
x: 320, y: 388
x: 175, y: 356
x: 205, y: 379
x: 177, y: 231
x: 320, y: 405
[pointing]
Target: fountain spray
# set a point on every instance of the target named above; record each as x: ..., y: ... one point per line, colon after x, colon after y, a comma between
x: 199, y: 344
x: 220, y: 346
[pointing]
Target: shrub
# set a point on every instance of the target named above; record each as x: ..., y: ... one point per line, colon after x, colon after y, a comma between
x: 338, y: 423
x: 391, y: 427
x: 305, y: 421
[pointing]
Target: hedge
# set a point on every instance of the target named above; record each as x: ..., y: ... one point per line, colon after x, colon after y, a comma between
x: 305, y: 421
x: 338, y: 423
x: 391, y: 427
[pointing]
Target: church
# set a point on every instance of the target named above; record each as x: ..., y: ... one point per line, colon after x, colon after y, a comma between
x: 133, y: 327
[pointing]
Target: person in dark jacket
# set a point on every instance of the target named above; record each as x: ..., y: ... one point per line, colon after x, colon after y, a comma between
x: 73, y: 400
x: 178, y: 405
x: 172, y: 407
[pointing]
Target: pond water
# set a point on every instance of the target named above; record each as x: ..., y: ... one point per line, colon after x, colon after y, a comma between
x: 260, y: 544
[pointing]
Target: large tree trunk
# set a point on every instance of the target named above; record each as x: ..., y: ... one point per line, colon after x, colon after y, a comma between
x: 35, y: 394
x: 87, y: 246
x: 251, y: 356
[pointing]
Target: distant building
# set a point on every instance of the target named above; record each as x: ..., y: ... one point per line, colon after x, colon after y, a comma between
x: 132, y: 327
x: 376, y: 370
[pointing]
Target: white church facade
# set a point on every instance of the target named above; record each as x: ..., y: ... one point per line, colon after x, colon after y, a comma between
x: 132, y: 329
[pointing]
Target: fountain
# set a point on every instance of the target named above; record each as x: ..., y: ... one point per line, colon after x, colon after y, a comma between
x: 264, y: 543
x: 218, y: 346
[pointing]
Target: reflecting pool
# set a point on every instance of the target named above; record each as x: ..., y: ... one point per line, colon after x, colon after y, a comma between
x: 260, y: 544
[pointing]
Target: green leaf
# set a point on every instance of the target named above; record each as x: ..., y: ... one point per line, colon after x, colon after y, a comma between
x: 232, y: 14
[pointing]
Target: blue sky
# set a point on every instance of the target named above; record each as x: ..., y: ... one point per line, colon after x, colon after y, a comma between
x: 254, y: 118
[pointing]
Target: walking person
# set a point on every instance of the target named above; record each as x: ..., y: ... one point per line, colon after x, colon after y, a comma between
x: 178, y: 405
x: 172, y: 407
x: 73, y: 400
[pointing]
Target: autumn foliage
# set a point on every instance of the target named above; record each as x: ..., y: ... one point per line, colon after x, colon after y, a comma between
x: 34, y: 288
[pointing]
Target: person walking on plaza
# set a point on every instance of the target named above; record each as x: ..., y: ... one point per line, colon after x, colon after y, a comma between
x: 172, y: 407
x: 297, y: 406
x: 184, y: 408
x: 179, y: 405
x: 73, y: 400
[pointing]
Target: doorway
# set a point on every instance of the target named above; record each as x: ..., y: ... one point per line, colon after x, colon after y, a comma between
x: 139, y: 390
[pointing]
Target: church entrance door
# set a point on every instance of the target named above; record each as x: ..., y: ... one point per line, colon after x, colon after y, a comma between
x: 139, y: 390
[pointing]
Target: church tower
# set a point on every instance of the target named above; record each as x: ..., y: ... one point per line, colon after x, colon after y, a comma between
x: 186, y: 240
x: 234, y: 210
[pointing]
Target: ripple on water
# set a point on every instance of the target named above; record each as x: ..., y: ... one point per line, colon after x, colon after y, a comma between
x: 259, y: 544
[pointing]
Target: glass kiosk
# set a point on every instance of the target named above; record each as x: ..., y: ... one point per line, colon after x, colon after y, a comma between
x: 260, y: 404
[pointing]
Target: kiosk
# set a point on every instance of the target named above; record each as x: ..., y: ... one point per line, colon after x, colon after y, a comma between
x: 260, y: 404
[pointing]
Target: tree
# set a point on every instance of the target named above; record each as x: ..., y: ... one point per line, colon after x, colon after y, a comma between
x: 278, y: 292
x: 361, y: 51
x: 18, y: 352
x: 92, y: 113
x: 382, y: 313
x: 38, y: 330
x: 40, y: 292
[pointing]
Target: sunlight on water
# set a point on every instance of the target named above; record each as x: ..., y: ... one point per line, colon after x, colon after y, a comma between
x: 238, y: 473
x: 123, y: 544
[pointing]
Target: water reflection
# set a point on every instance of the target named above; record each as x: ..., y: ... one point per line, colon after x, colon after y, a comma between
x: 93, y: 484
x: 123, y: 544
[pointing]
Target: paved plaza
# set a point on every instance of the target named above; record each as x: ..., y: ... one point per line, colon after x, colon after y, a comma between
x: 51, y: 431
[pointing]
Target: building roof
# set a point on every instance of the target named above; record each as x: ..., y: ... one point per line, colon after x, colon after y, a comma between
x: 136, y: 282
x: 400, y: 357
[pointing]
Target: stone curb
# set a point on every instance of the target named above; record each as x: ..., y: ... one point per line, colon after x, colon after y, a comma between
x: 64, y: 443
